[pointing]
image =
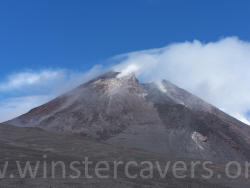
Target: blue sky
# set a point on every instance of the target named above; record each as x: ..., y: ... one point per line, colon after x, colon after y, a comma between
x: 51, y: 44
x: 80, y: 34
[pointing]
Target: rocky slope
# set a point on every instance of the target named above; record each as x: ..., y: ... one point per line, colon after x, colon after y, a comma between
x: 157, y: 117
x: 31, y: 144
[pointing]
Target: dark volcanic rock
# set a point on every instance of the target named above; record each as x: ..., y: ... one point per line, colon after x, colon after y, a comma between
x: 158, y: 117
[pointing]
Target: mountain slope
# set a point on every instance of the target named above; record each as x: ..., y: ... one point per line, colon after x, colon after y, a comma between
x: 158, y: 117
x: 31, y: 144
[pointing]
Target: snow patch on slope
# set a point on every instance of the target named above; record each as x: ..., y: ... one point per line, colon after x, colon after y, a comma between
x: 197, y: 137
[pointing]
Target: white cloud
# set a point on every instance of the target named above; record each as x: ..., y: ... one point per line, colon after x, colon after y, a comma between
x: 241, y: 118
x: 218, y: 72
x: 13, y: 107
x: 55, y: 83
x: 29, y: 78
x: 31, y: 82
x: 75, y: 79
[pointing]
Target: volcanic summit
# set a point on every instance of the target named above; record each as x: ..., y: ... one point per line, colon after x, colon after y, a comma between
x: 157, y: 117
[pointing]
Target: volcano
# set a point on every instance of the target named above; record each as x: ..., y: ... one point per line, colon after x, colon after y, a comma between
x: 158, y: 117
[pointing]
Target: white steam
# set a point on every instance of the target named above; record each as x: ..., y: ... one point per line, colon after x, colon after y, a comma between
x: 218, y: 72
x: 161, y: 86
x: 130, y: 69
